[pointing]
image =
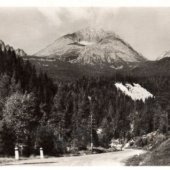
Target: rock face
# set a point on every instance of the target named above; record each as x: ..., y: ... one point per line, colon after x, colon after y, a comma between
x: 135, y: 91
x: 164, y: 55
x: 92, y: 46
x: 2, y: 46
x: 18, y: 52
x: 9, y: 48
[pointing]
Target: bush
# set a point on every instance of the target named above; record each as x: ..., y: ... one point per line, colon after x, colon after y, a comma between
x: 151, y: 140
x: 7, y: 141
x: 159, y: 155
x: 50, y: 143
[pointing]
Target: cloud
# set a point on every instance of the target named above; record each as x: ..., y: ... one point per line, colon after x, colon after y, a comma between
x: 146, y: 29
x: 91, y: 16
x: 132, y: 24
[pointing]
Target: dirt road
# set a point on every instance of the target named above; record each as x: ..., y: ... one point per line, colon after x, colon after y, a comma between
x: 106, y: 159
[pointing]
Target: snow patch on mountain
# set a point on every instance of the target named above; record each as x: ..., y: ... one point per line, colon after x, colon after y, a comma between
x: 86, y: 43
x: 117, y: 68
x: 135, y: 91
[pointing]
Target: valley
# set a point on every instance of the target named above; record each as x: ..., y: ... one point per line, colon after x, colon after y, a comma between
x: 87, y: 88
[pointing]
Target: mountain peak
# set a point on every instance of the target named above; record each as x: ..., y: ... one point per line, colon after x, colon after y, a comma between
x: 92, y: 46
x: 2, y: 45
x: 1, y: 42
x: 91, y: 30
x: 9, y: 48
x: 164, y: 55
x: 20, y: 52
x: 93, y: 34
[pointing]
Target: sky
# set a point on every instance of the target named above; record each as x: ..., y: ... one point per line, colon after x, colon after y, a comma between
x: 146, y: 29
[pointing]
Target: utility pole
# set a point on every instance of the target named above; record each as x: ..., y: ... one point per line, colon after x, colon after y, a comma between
x: 59, y: 135
x: 91, y: 126
x: 91, y: 133
x: 168, y: 117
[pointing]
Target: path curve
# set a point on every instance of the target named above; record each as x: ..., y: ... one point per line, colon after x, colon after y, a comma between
x: 105, y: 159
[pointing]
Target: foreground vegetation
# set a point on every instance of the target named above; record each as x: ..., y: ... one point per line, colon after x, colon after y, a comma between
x: 157, y: 157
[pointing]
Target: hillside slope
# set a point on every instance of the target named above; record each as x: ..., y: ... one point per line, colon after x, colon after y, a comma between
x: 153, y: 68
x: 160, y: 156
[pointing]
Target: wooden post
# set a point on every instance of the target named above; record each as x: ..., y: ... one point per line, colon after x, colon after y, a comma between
x: 21, y: 150
x: 91, y: 135
x: 41, y: 153
x: 16, y: 153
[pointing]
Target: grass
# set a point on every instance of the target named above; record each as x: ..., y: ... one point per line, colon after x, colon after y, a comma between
x: 135, y: 160
x: 6, y: 160
x: 160, y: 156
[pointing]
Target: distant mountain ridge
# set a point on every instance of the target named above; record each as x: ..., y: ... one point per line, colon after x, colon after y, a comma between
x: 94, y: 47
x: 95, y: 52
x: 164, y: 55
x: 18, y: 52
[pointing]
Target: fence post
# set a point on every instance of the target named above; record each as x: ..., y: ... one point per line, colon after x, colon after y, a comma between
x: 41, y: 153
x: 16, y: 153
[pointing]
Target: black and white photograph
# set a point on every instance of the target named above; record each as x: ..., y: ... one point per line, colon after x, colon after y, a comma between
x: 84, y: 85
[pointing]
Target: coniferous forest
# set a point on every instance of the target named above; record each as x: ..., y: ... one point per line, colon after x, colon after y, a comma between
x: 35, y: 112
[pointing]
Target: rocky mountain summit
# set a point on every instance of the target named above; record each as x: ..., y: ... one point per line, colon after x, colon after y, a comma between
x: 93, y: 47
x: 164, y: 55
x: 18, y: 52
